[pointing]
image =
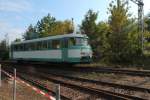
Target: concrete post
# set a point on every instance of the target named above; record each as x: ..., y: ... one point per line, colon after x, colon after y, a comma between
x: 58, y: 92
x: 14, y: 88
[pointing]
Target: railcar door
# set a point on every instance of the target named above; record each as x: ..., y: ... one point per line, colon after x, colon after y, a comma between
x: 65, y: 50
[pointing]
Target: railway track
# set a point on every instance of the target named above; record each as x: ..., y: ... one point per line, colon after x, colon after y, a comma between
x: 126, y: 87
x: 116, y: 71
x: 106, y: 94
x: 95, y: 69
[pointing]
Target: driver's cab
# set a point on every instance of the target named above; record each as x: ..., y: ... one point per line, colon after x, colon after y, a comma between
x: 77, y: 49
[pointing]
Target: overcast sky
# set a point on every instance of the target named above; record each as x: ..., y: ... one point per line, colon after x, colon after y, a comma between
x: 16, y: 15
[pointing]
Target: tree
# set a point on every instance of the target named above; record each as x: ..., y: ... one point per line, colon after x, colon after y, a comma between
x: 97, y: 33
x: 45, y: 26
x: 4, y: 51
x: 147, y: 34
x: 102, y: 39
x: 48, y: 26
x: 17, y: 40
x: 123, y: 41
x: 147, y: 22
x: 30, y: 33
x: 89, y: 27
x: 62, y: 27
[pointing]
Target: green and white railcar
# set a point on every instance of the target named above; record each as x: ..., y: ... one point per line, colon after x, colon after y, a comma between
x: 68, y: 48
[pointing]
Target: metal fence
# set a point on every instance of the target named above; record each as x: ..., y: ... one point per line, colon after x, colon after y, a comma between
x: 57, y: 97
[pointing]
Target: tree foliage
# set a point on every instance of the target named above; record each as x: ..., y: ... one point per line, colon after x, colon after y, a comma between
x: 89, y: 27
x: 102, y: 38
x: 17, y: 40
x: 115, y: 40
x: 30, y: 33
x: 147, y: 22
x: 123, y: 39
x: 4, y: 51
x: 45, y: 25
x: 48, y: 26
x: 147, y: 33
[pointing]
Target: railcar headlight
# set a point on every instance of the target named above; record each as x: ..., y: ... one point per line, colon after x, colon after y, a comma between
x: 83, y: 53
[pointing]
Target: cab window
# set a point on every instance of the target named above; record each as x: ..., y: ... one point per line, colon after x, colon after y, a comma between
x: 45, y: 45
x: 81, y: 41
x: 77, y: 41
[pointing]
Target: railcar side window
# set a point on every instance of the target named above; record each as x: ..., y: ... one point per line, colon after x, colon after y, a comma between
x: 35, y: 46
x: 12, y: 48
x: 65, y: 43
x: 39, y: 45
x: 49, y: 44
x: 15, y: 47
x: 32, y: 46
x: 71, y: 42
x: 25, y: 47
x: 21, y: 47
x: 44, y: 46
x: 29, y: 46
x: 56, y: 44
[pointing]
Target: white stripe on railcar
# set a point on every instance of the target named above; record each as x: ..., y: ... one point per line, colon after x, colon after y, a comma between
x: 52, y: 54
x: 74, y: 53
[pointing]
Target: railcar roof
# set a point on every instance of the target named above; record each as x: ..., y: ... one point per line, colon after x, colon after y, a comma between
x: 51, y: 37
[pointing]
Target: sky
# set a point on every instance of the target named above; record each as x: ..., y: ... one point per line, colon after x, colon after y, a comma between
x: 17, y: 15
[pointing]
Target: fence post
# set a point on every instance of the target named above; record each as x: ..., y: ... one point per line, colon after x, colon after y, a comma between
x: 14, y: 87
x: 58, y: 92
x: 0, y: 76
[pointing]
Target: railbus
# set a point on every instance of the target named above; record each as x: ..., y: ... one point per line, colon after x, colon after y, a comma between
x: 67, y: 48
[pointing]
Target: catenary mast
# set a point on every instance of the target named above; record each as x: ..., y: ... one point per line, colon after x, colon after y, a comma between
x: 140, y: 21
